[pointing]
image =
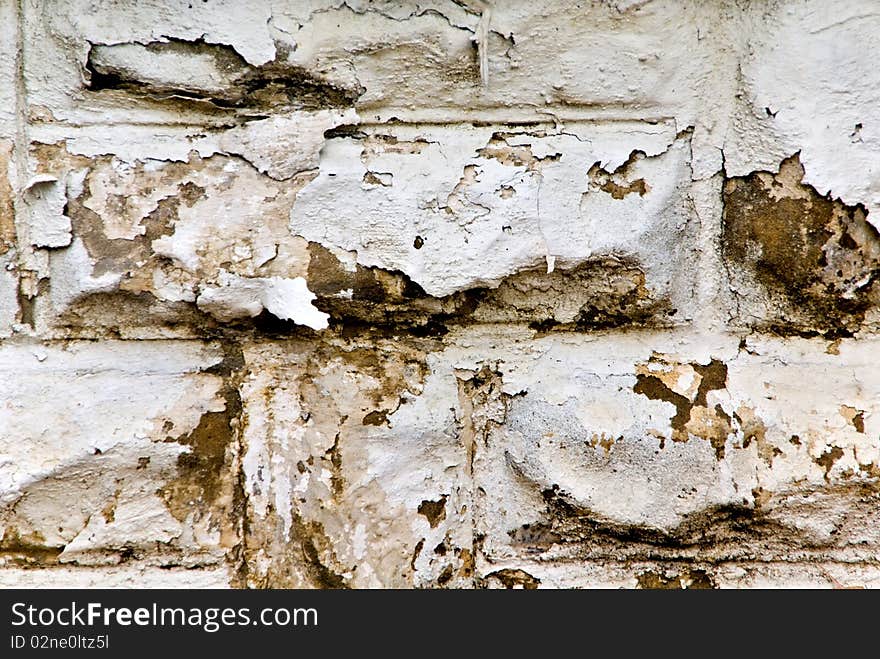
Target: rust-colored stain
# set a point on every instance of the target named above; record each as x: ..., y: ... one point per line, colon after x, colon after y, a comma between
x: 816, y: 258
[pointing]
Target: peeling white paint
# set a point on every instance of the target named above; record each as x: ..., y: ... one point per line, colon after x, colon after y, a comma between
x: 101, y: 416
x: 445, y: 191
x: 283, y: 146
x: 46, y: 199
x: 241, y: 297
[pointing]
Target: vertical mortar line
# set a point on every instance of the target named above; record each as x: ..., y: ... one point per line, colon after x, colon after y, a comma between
x: 707, y: 205
x: 21, y: 132
x: 465, y: 408
x: 472, y: 517
x: 238, y: 557
x: 711, y: 291
x: 483, y: 41
x: 20, y: 155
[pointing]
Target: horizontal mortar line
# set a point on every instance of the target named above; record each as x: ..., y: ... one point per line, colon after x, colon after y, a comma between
x: 50, y: 126
x: 803, y: 557
x: 139, y: 564
x: 683, y: 561
x: 252, y: 335
x: 518, y: 114
x: 392, y: 116
x: 244, y: 332
x: 106, y: 341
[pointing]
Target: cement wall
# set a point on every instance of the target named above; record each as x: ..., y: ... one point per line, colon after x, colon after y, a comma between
x: 439, y: 294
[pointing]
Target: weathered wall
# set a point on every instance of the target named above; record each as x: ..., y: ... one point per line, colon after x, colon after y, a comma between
x: 439, y: 294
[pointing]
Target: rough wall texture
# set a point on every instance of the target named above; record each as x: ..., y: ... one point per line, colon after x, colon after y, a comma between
x: 439, y: 294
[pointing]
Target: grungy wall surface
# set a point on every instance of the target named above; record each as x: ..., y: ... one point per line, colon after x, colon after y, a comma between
x: 352, y: 293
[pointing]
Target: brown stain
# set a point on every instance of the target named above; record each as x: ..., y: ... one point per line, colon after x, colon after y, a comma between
x: 618, y: 191
x: 510, y: 156
x: 370, y: 178
x: 461, y: 71
x: 446, y: 575
x: 433, y: 511
x: 604, y: 441
x: 854, y: 416
x: 713, y: 378
x: 754, y: 430
x: 469, y: 432
x: 305, y: 559
x: 205, y: 483
x: 374, y: 296
x: 7, y: 198
x: 457, y: 200
x: 337, y: 481
x: 468, y: 564
x: 200, y: 469
x: 189, y: 193
x: 384, y: 368
x: 108, y: 512
x: 326, y: 274
x: 314, y: 543
x: 766, y: 525
x: 27, y: 550
x: 121, y: 254
x: 828, y: 458
x: 27, y: 304
x: 536, y: 536
x: 691, y: 579
x: 761, y: 496
x: 275, y: 86
x: 619, y: 182
x: 53, y: 157
x: 416, y: 551
x: 568, y: 522
x: 816, y: 258
x: 337, y: 381
x: 652, y: 387
x: 134, y: 259
x: 711, y: 424
x: 377, y: 144
x: 375, y: 418
x: 393, y: 368
x: 133, y: 303
x: 693, y: 417
x: 514, y: 578
x: 112, y: 315
x: 600, y: 293
x: 498, y: 148
x: 858, y: 422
